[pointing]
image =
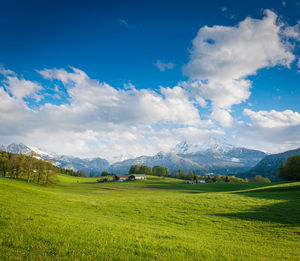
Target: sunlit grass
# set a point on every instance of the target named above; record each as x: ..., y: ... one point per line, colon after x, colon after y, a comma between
x: 156, y: 219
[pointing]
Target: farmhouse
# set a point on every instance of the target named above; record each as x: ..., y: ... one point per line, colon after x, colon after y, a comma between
x: 136, y: 176
x: 201, y: 181
x: 139, y: 176
x: 121, y: 178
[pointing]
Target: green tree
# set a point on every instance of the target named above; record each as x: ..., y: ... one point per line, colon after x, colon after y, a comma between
x: 191, y: 175
x: 291, y: 169
x: 159, y: 171
x: 182, y: 174
x: 104, y: 173
x: 259, y: 178
x: 4, y: 163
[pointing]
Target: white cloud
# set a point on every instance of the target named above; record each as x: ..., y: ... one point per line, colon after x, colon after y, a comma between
x: 14, y: 115
x: 222, y: 94
x: 291, y: 32
x: 108, y: 104
x: 224, y: 53
x: 222, y: 116
x: 19, y: 87
x: 223, y: 57
x: 271, y: 131
x: 6, y: 72
x: 98, y: 119
x: 273, y: 119
x: 164, y: 66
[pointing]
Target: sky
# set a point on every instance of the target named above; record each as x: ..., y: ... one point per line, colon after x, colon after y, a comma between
x: 117, y: 79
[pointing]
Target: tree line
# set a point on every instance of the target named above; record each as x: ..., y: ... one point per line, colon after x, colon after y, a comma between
x: 191, y: 175
x: 142, y: 169
x: 31, y: 169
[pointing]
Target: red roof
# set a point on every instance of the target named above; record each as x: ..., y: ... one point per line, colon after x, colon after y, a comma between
x: 122, y: 176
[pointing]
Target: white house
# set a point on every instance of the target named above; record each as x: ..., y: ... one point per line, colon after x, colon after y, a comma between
x: 139, y: 176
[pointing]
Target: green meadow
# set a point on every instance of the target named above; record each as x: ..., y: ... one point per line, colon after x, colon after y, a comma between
x: 156, y: 219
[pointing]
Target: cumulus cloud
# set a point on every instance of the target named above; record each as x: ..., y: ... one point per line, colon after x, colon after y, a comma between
x: 19, y: 87
x: 291, y: 32
x: 96, y: 113
x: 164, y: 66
x: 108, y: 104
x: 273, y: 119
x: 221, y: 52
x: 223, y: 57
x: 272, y: 131
x: 222, y: 116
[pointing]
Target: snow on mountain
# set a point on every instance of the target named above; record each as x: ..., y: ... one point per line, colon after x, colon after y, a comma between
x: 169, y: 160
x: 213, y: 143
x: 18, y: 148
x: 218, y: 156
x: 41, y: 152
x: 118, y: 158
x: 90, y: 166
x: 213, y: 155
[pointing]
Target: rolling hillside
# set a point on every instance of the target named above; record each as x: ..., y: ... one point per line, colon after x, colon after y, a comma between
x: 156, y: 219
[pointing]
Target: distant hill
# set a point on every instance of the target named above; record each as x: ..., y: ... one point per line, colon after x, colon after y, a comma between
x: 267, y: 167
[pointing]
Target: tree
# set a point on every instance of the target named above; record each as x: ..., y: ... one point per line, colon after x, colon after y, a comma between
x: 29, y: 167
x: 182, y: 174
x: 191, y: 175
x: 218, y: 178
x: 159, y: 171
x: 291, y: 169
x: 132, y: 169
x: 140, y: 169
x: 4, y: 163
x: 259, y: 178
x: 104, y: 173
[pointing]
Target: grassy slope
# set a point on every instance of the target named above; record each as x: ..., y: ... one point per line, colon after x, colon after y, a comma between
x: 154, y: 219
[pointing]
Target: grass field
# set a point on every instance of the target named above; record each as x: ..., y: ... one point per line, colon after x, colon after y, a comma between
x: 79, y: 219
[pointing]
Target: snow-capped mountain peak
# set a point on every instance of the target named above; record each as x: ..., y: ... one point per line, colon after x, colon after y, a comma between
x: 213, y: 143
x: 41, y: 152
x: 19, y: 148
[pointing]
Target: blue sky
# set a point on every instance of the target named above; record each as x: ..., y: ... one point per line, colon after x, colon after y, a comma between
x: 161, y: 71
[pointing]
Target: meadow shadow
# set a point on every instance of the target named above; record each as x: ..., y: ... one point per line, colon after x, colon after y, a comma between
x: 285, y: 213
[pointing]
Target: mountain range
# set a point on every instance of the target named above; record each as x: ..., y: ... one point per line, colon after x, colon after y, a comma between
x: 269, y: 164
x: 215, y: 155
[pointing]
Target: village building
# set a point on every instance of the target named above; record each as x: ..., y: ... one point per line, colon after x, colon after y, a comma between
x: 201, y: 181
x: 120, y: 178
x: 139, y: 176
x: 136, y: 177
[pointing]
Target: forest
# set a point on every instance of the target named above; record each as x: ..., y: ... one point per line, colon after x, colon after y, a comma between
x: 32, y: 169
